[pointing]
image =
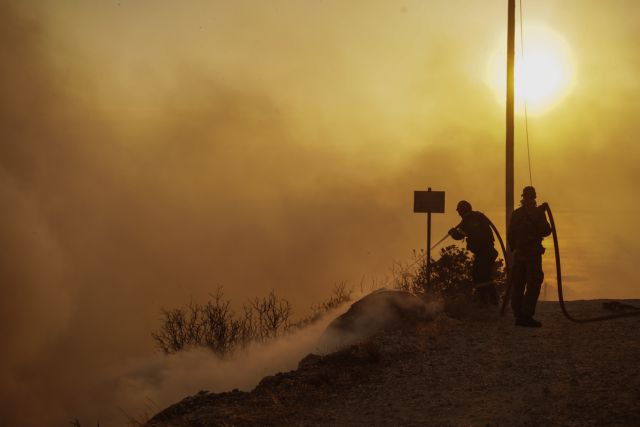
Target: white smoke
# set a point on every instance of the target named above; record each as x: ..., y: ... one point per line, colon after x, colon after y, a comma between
x: 148, y: 385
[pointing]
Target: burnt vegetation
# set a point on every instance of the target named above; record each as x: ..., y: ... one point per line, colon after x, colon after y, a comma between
x: 216, y: 326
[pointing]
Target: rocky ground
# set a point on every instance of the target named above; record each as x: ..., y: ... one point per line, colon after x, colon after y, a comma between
x: 474, y: 371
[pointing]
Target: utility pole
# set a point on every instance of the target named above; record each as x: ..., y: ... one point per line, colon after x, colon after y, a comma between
x: 510, y: 117
x: 511, y: 30
x: 429, y: 246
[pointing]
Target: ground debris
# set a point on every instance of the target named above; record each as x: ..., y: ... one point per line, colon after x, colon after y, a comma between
x: 448, y: 372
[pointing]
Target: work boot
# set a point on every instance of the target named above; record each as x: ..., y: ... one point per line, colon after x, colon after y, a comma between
x: 528, y: 322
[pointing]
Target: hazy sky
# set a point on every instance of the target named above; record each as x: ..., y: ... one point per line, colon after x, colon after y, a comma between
x: 151, y: 151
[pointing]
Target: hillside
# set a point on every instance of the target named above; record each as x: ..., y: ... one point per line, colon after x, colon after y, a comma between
x: 475, y: 371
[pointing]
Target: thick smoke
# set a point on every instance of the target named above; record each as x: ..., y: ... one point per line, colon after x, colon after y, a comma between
x: 148, y: 155
x: 148, y: 385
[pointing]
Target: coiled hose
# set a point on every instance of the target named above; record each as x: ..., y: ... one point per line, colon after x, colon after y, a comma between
x: 556, y: 248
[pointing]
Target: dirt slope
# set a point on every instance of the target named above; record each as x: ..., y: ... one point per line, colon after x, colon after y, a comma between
x: 450, y: 372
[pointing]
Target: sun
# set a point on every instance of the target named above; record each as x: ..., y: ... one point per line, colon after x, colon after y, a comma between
x: 543, y: 77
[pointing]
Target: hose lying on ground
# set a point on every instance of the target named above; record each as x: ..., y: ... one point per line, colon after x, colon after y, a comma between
x: 556, y: 248
x: 559, y: 279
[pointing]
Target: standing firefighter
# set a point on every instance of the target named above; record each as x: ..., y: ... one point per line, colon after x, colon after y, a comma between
x: 528, y: 227
x: 476, y: 229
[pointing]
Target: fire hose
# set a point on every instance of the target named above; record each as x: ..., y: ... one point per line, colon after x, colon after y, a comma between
x: 556, y: 248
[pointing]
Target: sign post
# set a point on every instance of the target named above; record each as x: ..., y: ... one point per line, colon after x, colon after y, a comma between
x: 428, y: 202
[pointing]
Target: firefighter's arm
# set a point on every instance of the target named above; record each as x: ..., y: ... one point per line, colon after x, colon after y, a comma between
x: 542, y: 224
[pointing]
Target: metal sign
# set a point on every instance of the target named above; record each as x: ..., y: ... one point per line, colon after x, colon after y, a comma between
x: 428, y: 201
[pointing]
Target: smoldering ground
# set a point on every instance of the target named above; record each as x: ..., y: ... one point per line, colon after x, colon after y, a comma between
x: 145, y: 386
x: 149, y: 155
x: 148, y: 385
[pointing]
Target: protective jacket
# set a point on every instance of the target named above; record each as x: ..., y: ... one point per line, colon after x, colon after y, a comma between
x: 475, y: 227
x: 528, y: 227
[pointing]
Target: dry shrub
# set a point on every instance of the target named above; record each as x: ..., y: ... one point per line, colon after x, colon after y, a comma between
x: 272, y: 317
x: 450, y: 278
x: 215, y: 326
x: 340, y: 295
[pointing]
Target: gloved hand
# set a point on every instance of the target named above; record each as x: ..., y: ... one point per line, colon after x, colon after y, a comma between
x: 456, y: 234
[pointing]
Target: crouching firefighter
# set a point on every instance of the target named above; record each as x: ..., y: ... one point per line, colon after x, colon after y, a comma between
x: 527, y: 228
x: 476, y: 229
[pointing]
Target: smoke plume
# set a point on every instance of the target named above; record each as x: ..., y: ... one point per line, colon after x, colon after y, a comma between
x: 149, y: 154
